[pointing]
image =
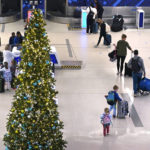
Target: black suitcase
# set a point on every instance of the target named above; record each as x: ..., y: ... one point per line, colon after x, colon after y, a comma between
x: 117, y: 24
x: 113, y: 55
x: 128, y: 71
x: 2, y: 84
x: 77, y: 13
x: 1, y: 57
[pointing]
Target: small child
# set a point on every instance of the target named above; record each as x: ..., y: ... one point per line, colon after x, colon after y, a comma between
x: 106, y: 121
x: 7, y: 75
x: 117, y: 98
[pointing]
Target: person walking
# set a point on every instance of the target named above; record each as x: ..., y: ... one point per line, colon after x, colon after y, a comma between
x: 92, y: 12
x: 99, y: 8
x: 116, y: 99
x: 122, y: 46
x: 102, y: 32
x: 137, y: 65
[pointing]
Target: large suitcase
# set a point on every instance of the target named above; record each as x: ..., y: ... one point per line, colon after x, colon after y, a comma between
x: 1, y: 57
x: 145, y: 84
x: 95, y: 27
x: 2, y: 85
x: 77, y: 13
x: 128, y: 71
x: 123, y: 109
x: 117, y: 24
x: 108, y: 37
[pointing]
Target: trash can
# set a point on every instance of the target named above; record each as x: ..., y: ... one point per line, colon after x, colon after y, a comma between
x: 140, y: 18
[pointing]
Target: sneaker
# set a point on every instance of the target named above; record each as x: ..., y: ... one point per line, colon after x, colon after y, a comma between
x: 121, y: 74
x: 118, y: 73
x: 95, y: 46
x: 108, y: 46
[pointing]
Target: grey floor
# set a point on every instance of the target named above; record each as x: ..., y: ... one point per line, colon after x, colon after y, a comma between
x: 81, y: 92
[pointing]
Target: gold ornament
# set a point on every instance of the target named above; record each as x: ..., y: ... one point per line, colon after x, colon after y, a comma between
x: 16, y: 131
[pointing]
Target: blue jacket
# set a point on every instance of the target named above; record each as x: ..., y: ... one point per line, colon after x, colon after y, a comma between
x: 12, y: 40
x: 18, y: 40
x: 117, y: 98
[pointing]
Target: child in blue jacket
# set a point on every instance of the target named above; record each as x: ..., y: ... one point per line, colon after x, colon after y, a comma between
x: 117, y: 98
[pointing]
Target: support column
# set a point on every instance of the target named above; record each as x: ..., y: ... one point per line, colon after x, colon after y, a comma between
x: 0, y: 7
x: 66, y: 11
x: 21, y: 9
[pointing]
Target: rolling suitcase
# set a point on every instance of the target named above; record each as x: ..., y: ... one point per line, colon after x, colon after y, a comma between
x: 113, y: 55
x: 108, y: 37
x: 2, y: 84
x: 145, y: 84
x: 128, y: 71
x: 95, y: 27
x: 1, y: 57
x: 123, y: 109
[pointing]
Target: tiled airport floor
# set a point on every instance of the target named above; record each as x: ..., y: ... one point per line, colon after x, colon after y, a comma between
x: 81, y: 92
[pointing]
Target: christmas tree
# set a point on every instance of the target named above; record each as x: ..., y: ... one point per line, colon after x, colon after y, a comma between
x: 33, y: 122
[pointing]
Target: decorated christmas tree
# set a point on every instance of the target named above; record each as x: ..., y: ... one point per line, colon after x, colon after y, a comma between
x: 33, y: 122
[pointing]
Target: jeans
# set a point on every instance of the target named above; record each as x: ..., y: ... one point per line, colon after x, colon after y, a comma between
x: 120, y: 67
x: 90, y: 26
x: 136, y: 81
x: 114, y: 109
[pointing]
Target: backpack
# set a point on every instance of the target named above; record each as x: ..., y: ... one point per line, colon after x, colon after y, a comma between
x: 107, y: 27
x: 106, y: 119
x: 110, y: 98
x: 135, y: 65
x: 90, y: 14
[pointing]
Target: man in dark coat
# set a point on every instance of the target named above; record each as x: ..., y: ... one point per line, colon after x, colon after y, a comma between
x: 99, y: 8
